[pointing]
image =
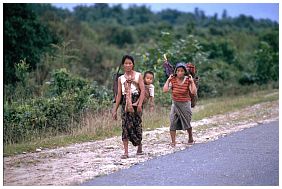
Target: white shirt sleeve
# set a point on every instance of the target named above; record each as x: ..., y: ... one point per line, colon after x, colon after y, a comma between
x: 152, y: 90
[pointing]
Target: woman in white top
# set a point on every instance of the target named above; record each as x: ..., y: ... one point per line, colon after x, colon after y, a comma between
x: 130, y: 88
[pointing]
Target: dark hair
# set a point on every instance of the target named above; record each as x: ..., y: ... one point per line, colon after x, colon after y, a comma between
x: 181, y: 65
x: 149, y: 72
x: 127, y: 57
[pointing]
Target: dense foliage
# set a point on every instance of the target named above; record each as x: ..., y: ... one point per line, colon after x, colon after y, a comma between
x: 65, y: 98
x: 25, y: 37
x: 51, y: 55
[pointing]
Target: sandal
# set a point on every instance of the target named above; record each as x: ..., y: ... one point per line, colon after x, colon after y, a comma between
x: 124, y: 156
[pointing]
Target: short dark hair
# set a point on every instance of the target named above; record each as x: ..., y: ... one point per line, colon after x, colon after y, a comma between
x: 149, y: 72
x: 127, y: 57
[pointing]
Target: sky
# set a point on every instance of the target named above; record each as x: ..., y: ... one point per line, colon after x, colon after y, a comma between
x: 256, y: 10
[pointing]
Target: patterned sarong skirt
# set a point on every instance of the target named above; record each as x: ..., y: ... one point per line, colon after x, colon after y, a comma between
x: 131, y: 123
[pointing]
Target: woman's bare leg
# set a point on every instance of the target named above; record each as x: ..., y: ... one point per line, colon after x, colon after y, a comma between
x: 139, y: 149
x: 125, y: 145
x: 190, y: 135
x: 173, y: 135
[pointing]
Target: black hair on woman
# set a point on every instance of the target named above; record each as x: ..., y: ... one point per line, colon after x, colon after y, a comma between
x: 127, y: 57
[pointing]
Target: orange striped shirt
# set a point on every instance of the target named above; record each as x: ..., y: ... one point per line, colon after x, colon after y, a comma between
x: 180, y: 92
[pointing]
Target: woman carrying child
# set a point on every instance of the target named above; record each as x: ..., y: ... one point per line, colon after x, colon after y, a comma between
x: 130, y: 89
x: 181, y: 113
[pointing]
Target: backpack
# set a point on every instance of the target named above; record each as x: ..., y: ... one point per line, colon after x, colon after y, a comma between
x: 191, y: 68
x: 115, y: 84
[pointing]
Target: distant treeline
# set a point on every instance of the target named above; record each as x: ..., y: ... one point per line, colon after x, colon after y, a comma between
x: 100, y: 34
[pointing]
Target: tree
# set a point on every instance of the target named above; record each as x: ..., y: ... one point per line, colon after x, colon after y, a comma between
x: 25, y: 37
x: 267, y: 61
x: 272, y: 38
x: 138, y: 15
x: 190, y: 27
x: 119, y: 35
x: 177, y: 50
x: 222, y: 49
x: 267, y: 57
x: 224, y: 14
x: 170, y: 15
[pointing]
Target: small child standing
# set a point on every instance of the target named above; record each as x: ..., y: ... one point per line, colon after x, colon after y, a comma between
x: 149, y: 90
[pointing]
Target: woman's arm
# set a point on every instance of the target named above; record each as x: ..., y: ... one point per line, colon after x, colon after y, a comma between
x: 166, y: 85
x: 192, y: 86
x: 118, y: 99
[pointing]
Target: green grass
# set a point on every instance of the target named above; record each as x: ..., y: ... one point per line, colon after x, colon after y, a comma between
x: 226, y: 104
x: 96, y: 127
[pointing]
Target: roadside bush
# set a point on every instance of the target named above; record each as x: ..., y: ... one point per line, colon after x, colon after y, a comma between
x: 66, y: 98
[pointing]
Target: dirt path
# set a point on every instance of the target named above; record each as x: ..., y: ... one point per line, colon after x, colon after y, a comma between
x: 77, y: 163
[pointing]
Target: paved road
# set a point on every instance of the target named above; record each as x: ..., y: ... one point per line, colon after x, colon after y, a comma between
x: 249, y: 157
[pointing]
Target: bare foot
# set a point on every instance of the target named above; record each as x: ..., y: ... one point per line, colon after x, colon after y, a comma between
x: 172, y: 144
x: 124, y: 156
x: 191, y: 141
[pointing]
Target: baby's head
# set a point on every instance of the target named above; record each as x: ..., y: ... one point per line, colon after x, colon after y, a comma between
x: 148, y: 77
